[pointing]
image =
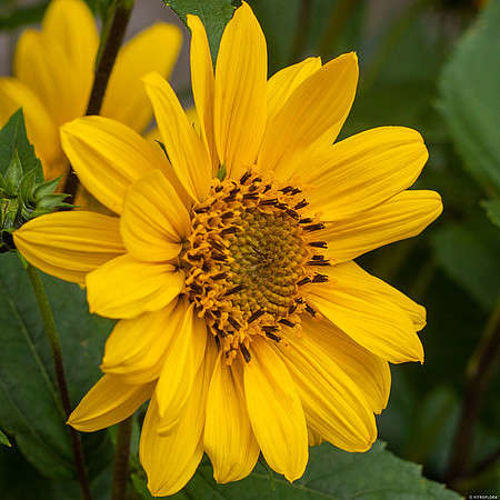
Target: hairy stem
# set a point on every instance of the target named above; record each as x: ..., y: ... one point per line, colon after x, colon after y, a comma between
x: 55, y: 347
x: 111, y: 40
x: 120, y: 470
x: 484, y: 362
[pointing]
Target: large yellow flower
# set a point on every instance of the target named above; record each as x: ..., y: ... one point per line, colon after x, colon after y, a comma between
x: 242, y: 315
x: 54, y: 72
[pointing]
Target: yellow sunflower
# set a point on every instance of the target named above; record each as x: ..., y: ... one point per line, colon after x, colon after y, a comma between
x: 54, y: 72
x: 243, y: 317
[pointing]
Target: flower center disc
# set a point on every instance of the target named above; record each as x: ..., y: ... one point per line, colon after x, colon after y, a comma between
x: 248, y: 255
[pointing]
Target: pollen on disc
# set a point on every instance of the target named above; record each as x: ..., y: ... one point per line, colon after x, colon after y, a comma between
x: 250, y: 252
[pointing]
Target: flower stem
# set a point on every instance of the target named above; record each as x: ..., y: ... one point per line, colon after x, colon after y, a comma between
x: 111, y: 40
x: 480, y: 370
x: 301, y: 31
x: 55, y: 346
x: 120, y: 470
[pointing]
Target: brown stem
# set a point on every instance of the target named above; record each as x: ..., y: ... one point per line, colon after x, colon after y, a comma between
x: 485, y: 361
x: 120, y: 470
x: 55, y: 346
x: 110, y: 45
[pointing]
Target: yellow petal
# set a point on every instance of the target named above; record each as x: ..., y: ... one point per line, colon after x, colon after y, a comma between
x: 154, y: 219
x: 370, y: 373
x: 363, y: 171
x: 182, y: 360
x: 229, y: 439
x: 108, y: 157
x: 203, y: 84
x: 372, y: 313
x: 39, y: 125
x: 125, y: 287
x: 171, y: 460
x: 403, y: 216
x: 71, y: 25
x: 136, y: 347
x: 319, y: 103
x: 69, y: 245
x: 282, y: 84
x: 333, y: 404
x: 240, y: 92
x: 187, y: 152
x: 315, y: 438
x: 275, y: 411
x: 44, y: 66
x: 110, y: 401
x: 154, y: 49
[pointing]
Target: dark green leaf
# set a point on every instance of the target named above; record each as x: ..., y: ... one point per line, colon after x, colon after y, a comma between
x: 214, y: 15
x: 468, y: 253
x: 13, y: 138
x: 30, y: 409
x: 4, y: 439
x: 13, y: 16
x: 470, y: 86
x: 492, y: 208
x: 331, y: 474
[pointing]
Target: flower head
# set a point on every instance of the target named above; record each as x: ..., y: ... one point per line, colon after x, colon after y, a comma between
x: 54, y: 71
x: 242, y: 315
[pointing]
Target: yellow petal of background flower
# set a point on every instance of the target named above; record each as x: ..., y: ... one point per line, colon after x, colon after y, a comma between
x: 136, y: 347
x: 282, y: 84
x: 108, y: 157
x: 203, y: 84
x: 110, y: 401
x: 319, y: 103
x: 125, y: 287
x: 403, y: 216
x: 171, y: 460
x: 275, y: 411
x: 182, y: 360
x: 187, y: 152
x: 71, y: 25
x: 229, y: 440
x: 40, y: 128
x: 363, y: 171
x: 154, y: 49
x: 372, y: 313
x: 370, y: 373
x: 240, y: 92
x: 333, y: 404
x: 69, y: 245
x: 44, y: 65
x: 154, y: 219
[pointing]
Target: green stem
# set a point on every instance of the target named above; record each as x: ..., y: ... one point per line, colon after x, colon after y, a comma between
x: 301, y: 30
x: 111, y: 40
x: 336, y: 22
x: 480, y: 370
x: 55, y: 347
x: 390, y: 41
x: 121, y: 467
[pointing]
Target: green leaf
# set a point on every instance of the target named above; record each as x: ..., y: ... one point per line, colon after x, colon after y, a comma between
x: 12, y: 16
x: 13, y: 138
x: 331, y: 474
x: 468, y: 253
x: 214, y: 15
x: 470, y: 86
x: 492, y: 208
x: 30, y: 408
x: 4, y: 440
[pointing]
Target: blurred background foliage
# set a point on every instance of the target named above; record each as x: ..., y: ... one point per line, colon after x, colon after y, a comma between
x: 433, y: 65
